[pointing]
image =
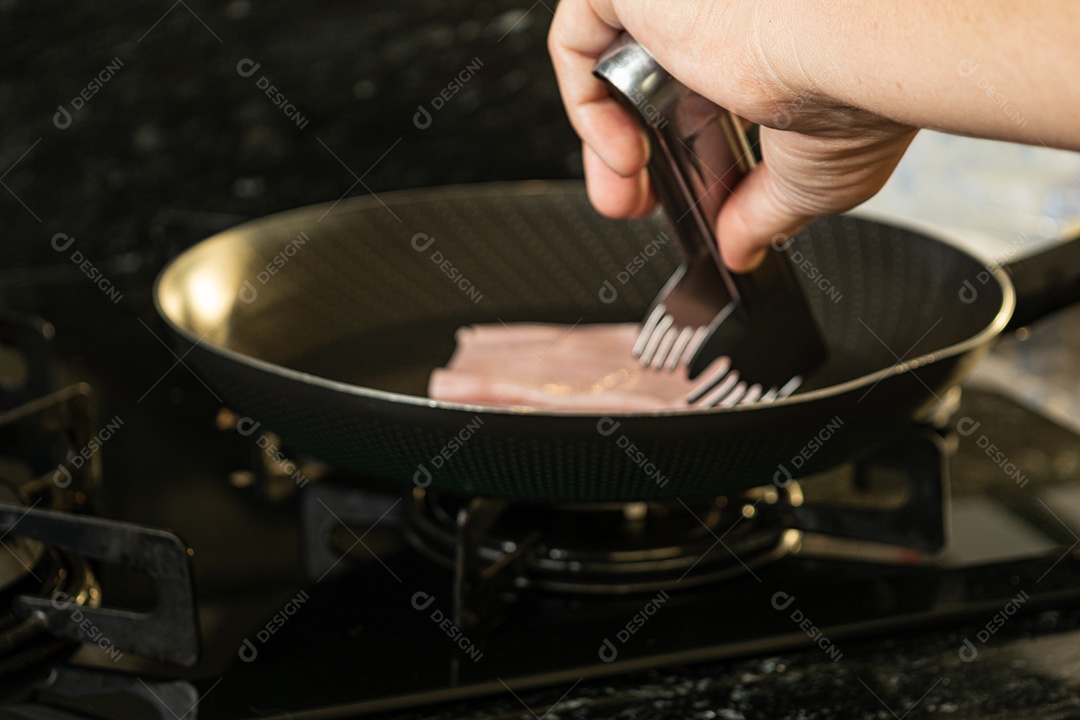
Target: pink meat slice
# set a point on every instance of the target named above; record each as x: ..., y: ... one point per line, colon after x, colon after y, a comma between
x: 586, y: 368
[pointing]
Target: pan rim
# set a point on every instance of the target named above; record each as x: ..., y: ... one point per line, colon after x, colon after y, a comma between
x: 984, y: 337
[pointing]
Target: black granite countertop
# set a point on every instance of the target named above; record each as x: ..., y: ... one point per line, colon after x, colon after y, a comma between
x: 174, y: 121
x: 1030, y: 670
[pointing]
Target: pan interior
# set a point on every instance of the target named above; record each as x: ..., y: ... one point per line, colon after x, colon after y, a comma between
x: 371, y: 295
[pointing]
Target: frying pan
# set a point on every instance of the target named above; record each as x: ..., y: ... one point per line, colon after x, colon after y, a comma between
x: 323, y: 323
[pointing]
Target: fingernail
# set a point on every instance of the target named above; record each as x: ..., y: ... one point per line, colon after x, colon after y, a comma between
x: 745, y: 262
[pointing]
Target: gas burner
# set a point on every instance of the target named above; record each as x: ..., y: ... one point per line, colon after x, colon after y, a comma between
x: 610, y: 548
x: 25, y: 641
x: 32, y: 567
x: 22, y: 553
x: 50, y: 469
x: 495, y: 549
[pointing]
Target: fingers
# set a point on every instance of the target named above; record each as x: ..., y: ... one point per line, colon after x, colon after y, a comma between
x: 614, y: 195
x: 579, y: 34
x: 837, y: 158
x: 805, y: 176
x: 756, y: 213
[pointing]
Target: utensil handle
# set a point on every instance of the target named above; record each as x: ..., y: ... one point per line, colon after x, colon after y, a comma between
x: 1045, y: 281
x: 698, y: 154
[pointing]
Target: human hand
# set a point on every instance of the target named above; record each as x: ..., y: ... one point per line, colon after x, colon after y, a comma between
x: 820, y: 156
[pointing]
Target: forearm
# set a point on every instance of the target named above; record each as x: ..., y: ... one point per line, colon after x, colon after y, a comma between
x: 990, y: 68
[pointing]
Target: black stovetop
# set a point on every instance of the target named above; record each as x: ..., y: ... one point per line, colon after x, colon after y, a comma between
x: 178, y: 144
x: 895, y: 635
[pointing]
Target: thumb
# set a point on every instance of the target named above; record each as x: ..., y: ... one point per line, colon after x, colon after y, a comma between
x: 754, y: 218
x: 804, y: 176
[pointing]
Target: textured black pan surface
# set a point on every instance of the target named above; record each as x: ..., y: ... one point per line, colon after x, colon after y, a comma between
x: 335, y: 346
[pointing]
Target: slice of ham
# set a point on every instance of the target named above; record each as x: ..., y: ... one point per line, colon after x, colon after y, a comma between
x: 586, y: 368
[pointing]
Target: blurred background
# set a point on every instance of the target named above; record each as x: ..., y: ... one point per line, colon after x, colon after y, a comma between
x: 134, y: 128
x: 139, y: 129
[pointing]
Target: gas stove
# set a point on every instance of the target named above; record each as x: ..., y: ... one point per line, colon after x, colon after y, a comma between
x: 191, y: 568
x: 163, y: 558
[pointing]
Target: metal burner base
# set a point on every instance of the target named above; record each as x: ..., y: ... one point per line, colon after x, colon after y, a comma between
x: 606, y: 548
x: 27, y: 641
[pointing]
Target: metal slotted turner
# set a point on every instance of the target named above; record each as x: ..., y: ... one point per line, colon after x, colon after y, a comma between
x: 757, y: 325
